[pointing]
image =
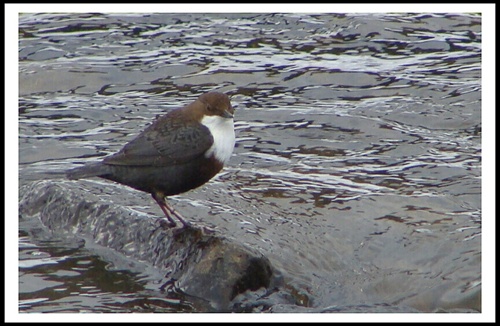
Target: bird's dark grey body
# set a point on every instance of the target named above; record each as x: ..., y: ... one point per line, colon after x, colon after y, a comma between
x: 178, y: 152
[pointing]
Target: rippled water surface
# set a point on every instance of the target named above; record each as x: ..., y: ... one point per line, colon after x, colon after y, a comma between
x: 358, y: 161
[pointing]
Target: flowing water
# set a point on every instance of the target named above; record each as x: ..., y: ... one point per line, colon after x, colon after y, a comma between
x: 357, y: 169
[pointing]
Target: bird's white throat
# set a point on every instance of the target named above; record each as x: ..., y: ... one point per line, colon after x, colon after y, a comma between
x: 222, y: 130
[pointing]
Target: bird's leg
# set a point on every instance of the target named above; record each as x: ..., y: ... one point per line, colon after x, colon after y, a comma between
x: 160, y: 200
x: 168, y: 210
x: 179, y: 216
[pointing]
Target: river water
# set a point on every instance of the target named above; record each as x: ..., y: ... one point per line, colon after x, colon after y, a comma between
x: 357, y: 169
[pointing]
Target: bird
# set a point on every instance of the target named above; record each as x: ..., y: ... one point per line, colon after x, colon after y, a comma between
x: 180, y: 151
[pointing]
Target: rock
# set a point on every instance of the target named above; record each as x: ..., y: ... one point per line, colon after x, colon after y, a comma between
x: 205, y: 266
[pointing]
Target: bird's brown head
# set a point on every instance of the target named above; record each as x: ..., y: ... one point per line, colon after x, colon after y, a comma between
x: 216, y: 104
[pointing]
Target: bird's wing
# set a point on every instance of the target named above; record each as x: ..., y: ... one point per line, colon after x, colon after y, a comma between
x: 166, y: 142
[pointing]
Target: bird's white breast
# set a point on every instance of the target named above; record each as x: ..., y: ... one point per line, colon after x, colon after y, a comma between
x: 222, y: 130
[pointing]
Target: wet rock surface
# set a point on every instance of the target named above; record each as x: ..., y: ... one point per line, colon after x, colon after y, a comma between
x: 199, y: 264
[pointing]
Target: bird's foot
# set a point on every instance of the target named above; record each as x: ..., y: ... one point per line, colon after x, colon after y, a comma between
x: 166, y: 224
x: 169, y: 211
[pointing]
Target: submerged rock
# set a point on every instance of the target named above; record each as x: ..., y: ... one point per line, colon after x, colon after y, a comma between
x: 206, y: 266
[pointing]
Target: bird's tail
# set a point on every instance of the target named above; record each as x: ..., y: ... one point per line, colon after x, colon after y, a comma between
x: 87, y: 171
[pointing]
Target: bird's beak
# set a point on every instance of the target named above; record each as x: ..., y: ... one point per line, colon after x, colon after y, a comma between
x: 227, y: 114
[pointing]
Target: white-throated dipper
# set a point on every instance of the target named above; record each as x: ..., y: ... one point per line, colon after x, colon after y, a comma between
x: 178, y: 152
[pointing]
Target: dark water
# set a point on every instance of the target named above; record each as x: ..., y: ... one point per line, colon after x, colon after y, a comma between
x: 357, y: 169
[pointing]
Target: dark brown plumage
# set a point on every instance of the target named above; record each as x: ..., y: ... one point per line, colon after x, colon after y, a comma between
x: 180, y: 151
